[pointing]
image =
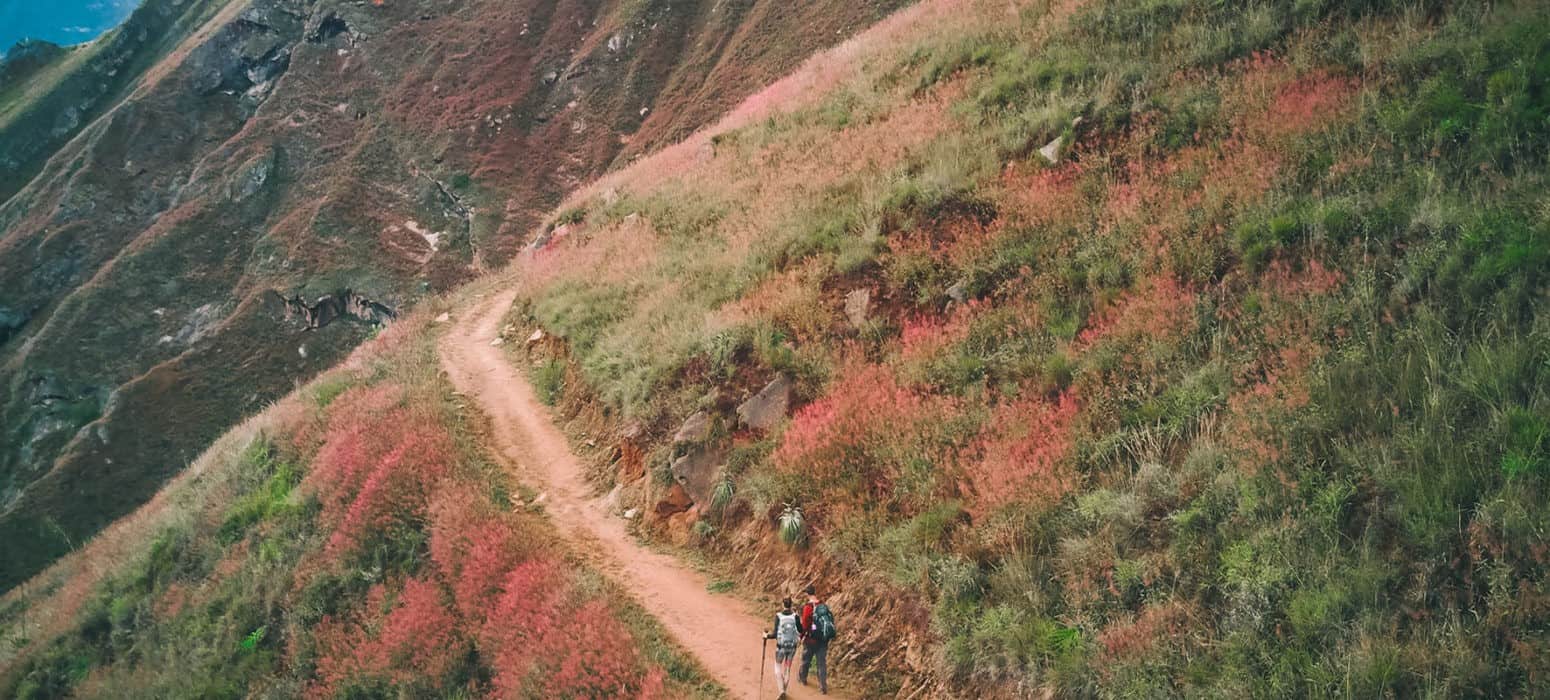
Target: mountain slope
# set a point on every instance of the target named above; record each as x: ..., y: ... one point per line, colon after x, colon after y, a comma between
x: 1074, y: 349
x: 181, y: 261
x: 1103, y: 348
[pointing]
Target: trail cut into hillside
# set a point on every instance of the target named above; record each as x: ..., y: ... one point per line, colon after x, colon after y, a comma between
x: 721, y: 632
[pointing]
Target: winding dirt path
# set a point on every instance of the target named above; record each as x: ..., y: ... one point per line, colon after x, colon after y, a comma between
x: 720, y: 631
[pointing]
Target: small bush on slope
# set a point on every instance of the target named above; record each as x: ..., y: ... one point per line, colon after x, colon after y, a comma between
x: 1244, y: 396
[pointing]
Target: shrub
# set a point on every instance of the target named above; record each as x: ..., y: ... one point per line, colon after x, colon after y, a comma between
x: 548, y: 378
x: 792, y: 525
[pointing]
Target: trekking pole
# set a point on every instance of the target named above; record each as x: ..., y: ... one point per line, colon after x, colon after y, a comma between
x: 763, y: 645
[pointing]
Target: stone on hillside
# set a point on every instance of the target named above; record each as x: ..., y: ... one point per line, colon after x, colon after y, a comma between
x: 538, y: 334
x: 1051, y: 150
x: 444, y: 317
x: 857, y: 304
x: 696, y: 471
x: 612, y: 500
x: 695, y: 429
x: 497, y: 342
x: 766, y: 409
x: 676, y: 500
x: 959, y: 292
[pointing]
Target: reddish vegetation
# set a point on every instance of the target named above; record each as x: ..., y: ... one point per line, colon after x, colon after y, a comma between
x: 865, y: 408
x: 489, y: 587
x: 926, y: 337
x: 1128, y: 639
x: 1159, y: 309
x: 1023, y: 453
x: 418, y: 639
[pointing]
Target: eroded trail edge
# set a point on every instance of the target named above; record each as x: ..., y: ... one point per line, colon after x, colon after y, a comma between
x: 721, y: 632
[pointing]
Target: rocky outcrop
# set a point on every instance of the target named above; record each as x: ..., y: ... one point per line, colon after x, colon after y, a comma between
x: 331, y: 307
x: 675, y: 501
x: 858, y: 303
x: 767, y: 408
x: 11, y: 321
x: 696, y: 471
x: 695, y: 429
x: 248, y: 55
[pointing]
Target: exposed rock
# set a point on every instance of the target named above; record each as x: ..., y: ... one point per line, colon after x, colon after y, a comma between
x: 443, y: 318
x: 331, y: 26
x: 252, y: 177
x: 11, y: 321
x: 538, y: 335
x: 632, y: 514
x: 332, y: 307
x: 959, y: 292
x: 497, y: 342
x: 676, y: 500
x: 696, y: 471
x: 199, y: 322
x: 695, y: 429
x: 766, y: 409
x: 611, y: 501
x: 857, y: 304
x: 1051, y: 150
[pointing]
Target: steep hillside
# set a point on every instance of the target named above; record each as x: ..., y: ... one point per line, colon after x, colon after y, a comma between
x: 288, y: 175
x: 1098, y: 348
x: 1074, y: 349
x: 353, y: 540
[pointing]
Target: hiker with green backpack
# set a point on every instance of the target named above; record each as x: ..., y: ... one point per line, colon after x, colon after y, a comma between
x: 817, y: 631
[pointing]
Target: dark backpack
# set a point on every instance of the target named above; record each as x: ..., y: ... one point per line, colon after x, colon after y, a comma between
x: 823, y: 623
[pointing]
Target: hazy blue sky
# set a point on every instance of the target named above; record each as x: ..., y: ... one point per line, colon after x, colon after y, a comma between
x: 60, y: 21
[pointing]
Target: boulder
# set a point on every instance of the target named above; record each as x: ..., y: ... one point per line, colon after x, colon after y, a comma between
x: 696, y: 471
x: 614, y: 498
x: 959, y: 292
x: 1051, y: 150
x: 443, y: 318
x: 676, y: 500
x: 538, y: 335
x: 696, y: 428
x: 857, y: 304
x: 766, y: 409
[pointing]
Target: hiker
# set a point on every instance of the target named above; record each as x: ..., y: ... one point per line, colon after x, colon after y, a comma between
x: 787, y: 632
x: 817, y: 631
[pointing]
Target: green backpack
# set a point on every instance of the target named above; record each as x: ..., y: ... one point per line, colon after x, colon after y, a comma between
x: 823, y: 623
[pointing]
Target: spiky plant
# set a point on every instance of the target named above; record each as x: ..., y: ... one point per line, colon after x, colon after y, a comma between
x: 722, y: 493
x: 793, y: 527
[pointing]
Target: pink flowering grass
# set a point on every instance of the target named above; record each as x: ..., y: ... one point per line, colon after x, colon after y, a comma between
x: 1022, y: 453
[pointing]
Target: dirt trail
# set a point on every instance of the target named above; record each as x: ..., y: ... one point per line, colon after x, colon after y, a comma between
x: 720, y: 631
